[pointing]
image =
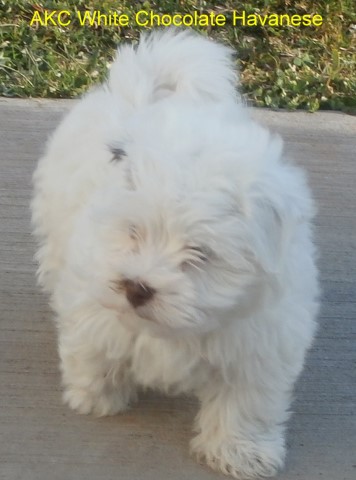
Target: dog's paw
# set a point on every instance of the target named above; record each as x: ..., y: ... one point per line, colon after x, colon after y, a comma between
x: 242, y: 459
x: 100, y: 404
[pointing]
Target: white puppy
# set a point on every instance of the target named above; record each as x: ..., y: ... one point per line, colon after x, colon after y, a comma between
x: 175, y: 243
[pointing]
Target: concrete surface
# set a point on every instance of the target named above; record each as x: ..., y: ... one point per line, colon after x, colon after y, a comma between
x: 42, y: 440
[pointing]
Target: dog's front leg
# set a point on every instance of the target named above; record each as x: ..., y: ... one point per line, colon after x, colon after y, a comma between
x: 94, y: 380
x: 240, y: 430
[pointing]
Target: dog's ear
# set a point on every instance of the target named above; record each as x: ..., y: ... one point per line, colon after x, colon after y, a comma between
x: 269, y: 231
x: 278, y: 204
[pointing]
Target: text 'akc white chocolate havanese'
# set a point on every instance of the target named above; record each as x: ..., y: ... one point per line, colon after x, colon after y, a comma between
x: 175, y: 243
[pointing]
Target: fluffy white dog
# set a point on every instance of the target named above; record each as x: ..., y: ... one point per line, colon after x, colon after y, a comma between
x: 175, y: 242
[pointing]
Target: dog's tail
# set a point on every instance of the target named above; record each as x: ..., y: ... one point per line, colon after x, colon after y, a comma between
x: 170, y: 62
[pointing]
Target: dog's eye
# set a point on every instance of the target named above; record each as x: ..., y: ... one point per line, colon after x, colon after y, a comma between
x: 118, y: 154
x: 197, y: 254
x: 133, y: 232
x: 195, y: 257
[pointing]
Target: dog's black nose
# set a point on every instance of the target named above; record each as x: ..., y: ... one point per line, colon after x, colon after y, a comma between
x: 137, y: 293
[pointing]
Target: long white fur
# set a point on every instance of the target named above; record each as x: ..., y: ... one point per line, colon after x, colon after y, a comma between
x: 231, y: 326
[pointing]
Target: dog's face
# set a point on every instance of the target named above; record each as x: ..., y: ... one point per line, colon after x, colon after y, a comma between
x: 174, y: 248
x: 178, y: 264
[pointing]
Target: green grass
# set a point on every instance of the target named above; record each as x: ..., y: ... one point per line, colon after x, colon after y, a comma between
x: 287, y: 67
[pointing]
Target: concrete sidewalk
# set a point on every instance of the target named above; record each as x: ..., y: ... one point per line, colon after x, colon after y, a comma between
x: 40, y: 439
